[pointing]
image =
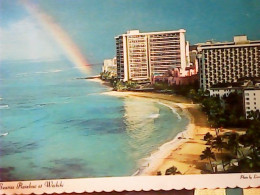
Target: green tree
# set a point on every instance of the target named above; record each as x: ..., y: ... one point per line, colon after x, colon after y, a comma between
x: 131, y: 84
x: 253, y: 137
x: 105, y: 75
x: 233, y: 110
x: 219, y: 144
x: 208, y: 154
x: 254, y: 115
x: 119, y: 86
x: 172, y: 171
x: 233, y: 144
x: 208, y: 137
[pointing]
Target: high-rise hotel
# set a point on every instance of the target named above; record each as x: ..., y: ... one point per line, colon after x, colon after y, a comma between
x: 142, y: 55
x: 228, y: 61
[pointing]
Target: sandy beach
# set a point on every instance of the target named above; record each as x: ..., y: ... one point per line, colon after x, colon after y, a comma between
x: 185, y: 149
x: 98, y: 80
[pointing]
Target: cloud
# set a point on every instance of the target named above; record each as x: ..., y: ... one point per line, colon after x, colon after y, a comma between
x: 25, y: 40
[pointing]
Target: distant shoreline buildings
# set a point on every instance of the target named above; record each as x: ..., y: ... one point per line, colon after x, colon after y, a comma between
x: 166, y: 56
x: 110, y: 65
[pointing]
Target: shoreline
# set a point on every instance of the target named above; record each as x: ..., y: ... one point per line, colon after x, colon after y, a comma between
x: 151, y: 164
x: 100, y: 81
x: 184, y: 150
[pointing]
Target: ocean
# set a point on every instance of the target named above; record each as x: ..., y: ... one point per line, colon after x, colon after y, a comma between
x: 53, y: 125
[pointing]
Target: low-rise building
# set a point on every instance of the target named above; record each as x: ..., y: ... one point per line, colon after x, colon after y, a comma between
x: 187, y: 80
x: 251, y: 100
x: 225, y: 89
x: 222, y: 91
x: 173, y: 77
x: 249, y: 89
x: 110, y: 65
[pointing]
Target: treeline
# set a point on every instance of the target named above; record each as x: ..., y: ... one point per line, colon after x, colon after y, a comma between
x: 238, y: 152
x: 234, y: 152
x: 222, y: 112
x: 176, y: 89
x: 116, y: 83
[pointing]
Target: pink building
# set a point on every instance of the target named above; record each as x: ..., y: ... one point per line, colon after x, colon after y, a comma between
x: 174, y: 77
x: 183, y: 80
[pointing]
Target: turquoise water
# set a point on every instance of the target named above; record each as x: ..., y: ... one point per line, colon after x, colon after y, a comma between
x: 62, y: 127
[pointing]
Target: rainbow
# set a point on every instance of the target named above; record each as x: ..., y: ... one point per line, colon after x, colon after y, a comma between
x: 70, y: 49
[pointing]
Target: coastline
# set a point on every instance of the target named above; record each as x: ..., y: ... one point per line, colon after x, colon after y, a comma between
x: 98, y: 80
x: 155, y: 161
x: 185, y: 149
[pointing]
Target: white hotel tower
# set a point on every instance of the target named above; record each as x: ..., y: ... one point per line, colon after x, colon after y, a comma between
x: 142, y: 55
x: 228, y: 61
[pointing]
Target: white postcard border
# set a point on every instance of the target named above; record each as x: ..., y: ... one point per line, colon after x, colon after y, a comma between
x: 136, y: 183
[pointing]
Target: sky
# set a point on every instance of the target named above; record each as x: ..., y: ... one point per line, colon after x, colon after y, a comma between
x: 93, y: 24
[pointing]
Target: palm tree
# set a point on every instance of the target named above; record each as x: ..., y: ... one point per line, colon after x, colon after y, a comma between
x: 219, y: 145
x: 253, y: 137
x: 131, y: 84
x: 172, y: 171
x: 208, y: 154
x: 119, y: 86
x: 250, y: 140
x: 233, y: 143
x: 208, y: 137
x: 254, y: 115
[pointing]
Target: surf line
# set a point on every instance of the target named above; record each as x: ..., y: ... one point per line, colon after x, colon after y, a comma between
x: 173, y: 110
x: 59, y: 35
x: 4, y: 134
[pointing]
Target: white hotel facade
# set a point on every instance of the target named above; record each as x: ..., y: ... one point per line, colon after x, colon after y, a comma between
x: 228, y: 61
x: 142, y: 55
x: 251, y: 96
x: 109, y: 65
x: 251, y: 100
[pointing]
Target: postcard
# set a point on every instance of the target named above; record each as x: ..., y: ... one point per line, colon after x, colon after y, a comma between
x: 112, y: 95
